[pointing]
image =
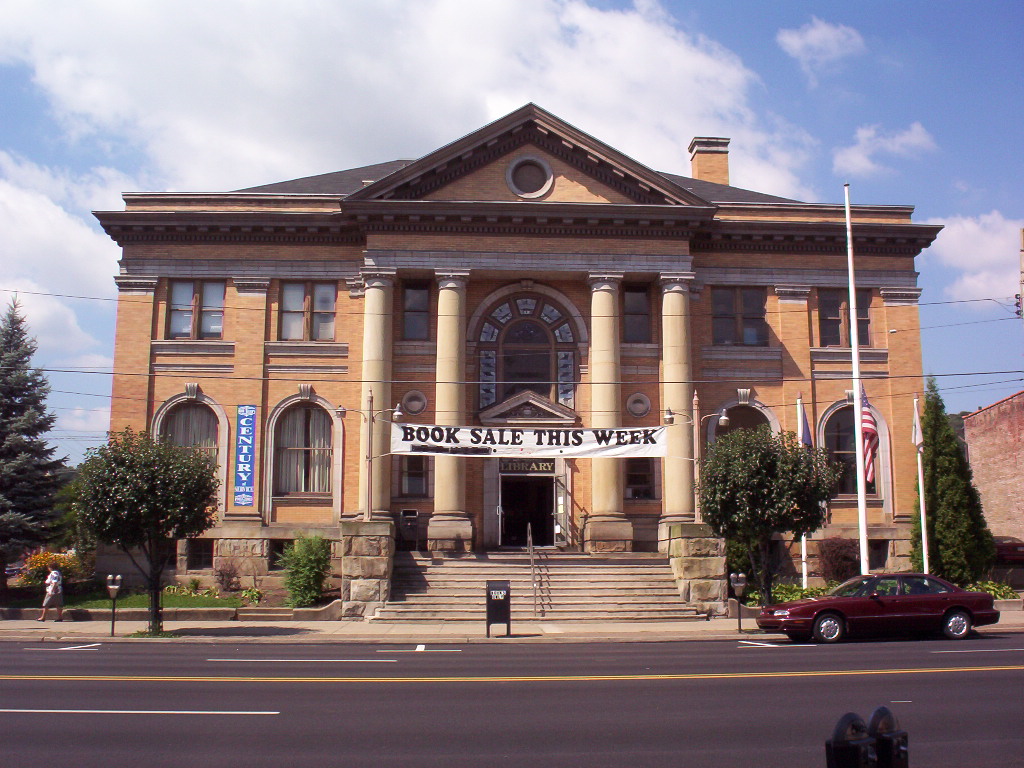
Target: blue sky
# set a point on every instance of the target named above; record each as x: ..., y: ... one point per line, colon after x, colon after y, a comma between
x: 913, y: 102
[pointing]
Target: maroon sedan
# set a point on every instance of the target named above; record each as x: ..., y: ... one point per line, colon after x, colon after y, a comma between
x: 890, y: 604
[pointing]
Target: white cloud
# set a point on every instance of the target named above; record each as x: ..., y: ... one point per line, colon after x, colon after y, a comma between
x: 984, y: 250
x: 230, y: 94
x: 859, y: 159
x: 818, y: 45
x: 85, y: 420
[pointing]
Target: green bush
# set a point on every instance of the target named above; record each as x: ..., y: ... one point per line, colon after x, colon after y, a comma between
x: 783, y: 593
x: 307, y: 562
x: 998, y: 590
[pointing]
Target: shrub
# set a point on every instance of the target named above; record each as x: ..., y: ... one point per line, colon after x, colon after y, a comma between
x: 783, y: 593
x: 252, y: 595
x: 37, y: 566
x: 227, y: 574
x: 307, y: 562
x: 838, y: 558
x: 998, y: 590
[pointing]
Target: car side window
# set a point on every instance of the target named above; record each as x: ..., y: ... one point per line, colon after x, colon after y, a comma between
x: 919, y: 585
x: 887, y: 587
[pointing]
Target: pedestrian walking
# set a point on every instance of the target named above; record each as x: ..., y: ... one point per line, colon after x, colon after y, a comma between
x: 54, y: 593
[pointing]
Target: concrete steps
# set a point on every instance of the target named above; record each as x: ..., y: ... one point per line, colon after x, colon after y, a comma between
x: 570, y: 587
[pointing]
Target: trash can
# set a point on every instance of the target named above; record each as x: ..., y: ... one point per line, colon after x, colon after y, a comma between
x: 409, y: 529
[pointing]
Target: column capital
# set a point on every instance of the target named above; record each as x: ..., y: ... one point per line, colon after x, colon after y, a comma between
x: 378, y: 278
x: 452, y: 279
x: 604, y: 281
x: 681, y: 282
x: 136, y: 283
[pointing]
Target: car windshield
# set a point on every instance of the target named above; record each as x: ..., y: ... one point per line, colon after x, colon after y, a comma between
x: 851, y: 588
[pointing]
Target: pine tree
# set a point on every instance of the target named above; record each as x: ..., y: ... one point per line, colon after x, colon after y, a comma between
x: 960, y: 545
x: 29, y: 475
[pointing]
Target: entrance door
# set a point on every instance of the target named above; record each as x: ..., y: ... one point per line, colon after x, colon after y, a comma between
x: 527, y: 500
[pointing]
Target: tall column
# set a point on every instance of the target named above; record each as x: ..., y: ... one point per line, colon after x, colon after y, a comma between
x: 450, y: 528
x: 378, y: 310
x: 677, y: 394
x: 608, y: 530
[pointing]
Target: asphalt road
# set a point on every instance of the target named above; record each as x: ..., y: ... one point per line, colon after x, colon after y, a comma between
x: 724, y: 703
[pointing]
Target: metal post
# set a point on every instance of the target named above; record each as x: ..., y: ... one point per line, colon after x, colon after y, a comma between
x: 368, y: 513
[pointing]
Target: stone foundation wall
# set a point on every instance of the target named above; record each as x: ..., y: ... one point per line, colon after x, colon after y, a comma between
x: 367, y: 559
x: 698, y: 562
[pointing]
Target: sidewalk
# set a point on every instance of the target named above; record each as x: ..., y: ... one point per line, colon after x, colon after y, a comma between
x: 460, y: 632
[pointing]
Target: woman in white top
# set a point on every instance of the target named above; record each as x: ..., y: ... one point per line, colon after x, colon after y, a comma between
x: 54, y: 594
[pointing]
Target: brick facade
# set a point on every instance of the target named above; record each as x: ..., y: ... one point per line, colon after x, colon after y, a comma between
x: 995, y: 443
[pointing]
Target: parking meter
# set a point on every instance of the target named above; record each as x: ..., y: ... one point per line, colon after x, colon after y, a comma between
x: 891, y: 743
x: 113, y: 586
x: 851, y: 746
x: 738, y: 582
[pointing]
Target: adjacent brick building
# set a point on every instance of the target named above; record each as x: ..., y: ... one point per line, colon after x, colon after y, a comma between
x: 995, y: 444
x: 526, y: 274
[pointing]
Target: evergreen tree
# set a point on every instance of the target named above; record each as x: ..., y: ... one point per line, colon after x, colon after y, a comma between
x: 960, y: 545
x: 29, y: 475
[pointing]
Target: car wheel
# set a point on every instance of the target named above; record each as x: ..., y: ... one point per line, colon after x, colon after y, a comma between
x: 956, y: 625
x: 829, y: 628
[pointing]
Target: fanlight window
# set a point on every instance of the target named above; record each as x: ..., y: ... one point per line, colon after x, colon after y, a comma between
x: 192, y: 425
x: 526, y: 343
x: 841, y: 444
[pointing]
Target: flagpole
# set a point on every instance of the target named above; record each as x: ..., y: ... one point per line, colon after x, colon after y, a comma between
x: 919, y: 444
x: 858, y: 394
x: 800, y: 439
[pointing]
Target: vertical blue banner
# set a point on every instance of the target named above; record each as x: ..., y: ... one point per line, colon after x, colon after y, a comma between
x: 245, y: 455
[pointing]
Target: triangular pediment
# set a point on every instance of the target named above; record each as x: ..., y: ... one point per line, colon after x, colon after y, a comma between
x: 475, y: 168
x: 528, y: 408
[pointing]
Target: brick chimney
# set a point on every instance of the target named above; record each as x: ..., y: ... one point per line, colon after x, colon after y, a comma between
x: 709, y: 159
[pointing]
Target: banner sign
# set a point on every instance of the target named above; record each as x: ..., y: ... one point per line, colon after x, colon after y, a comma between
x: 245, y: 455
x: 518, y: 442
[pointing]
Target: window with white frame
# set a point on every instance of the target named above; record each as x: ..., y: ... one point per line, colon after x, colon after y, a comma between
x: 196, y: 309
x: 307, y: 311
x: 303, y: 451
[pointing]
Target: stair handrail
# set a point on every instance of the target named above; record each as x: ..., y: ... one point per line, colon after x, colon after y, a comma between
x: 533, y: 566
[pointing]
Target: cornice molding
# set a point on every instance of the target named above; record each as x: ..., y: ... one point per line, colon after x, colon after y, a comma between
x: 136, y: 283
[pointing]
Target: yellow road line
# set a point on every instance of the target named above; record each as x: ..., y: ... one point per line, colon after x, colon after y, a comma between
x: 515, y: 678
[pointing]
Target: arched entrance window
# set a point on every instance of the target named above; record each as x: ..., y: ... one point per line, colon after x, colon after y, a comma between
x: 741, y: 417
x: 527, y: 343
x: 840, y: 442
x: 302, y: 451
x: 192, y: 425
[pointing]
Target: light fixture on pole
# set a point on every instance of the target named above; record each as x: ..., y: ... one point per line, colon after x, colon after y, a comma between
x: 669, y: 418
x: 370, y: 417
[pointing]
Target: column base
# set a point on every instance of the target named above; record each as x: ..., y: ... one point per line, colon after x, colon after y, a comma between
x: 448, y: 535
x: 367, y: 559
x: 609, y: 536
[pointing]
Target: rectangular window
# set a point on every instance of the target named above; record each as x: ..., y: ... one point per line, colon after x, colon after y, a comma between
x: 415, y: 311
x: 738, y: 317
x: 414, y: 475
x: 196, y: 309
x: 640, y: 479
x: 636, y: 315
x: 834, y: 317
x: 200, y: 554
x: 307, y: 311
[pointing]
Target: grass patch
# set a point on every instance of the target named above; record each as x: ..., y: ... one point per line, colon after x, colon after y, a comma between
x: 93, y: 596
x: 147, y: 633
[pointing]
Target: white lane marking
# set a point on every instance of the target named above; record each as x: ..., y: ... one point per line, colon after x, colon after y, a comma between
x: 421, y: 647
x: 132, y: 712
x: 755, y: 644
x: 90, y: 647
x: 901, y: 701
x: 982, y: 650
x: 310, y: 661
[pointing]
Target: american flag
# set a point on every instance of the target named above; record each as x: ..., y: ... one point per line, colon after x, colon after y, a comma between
x: 870, y: 431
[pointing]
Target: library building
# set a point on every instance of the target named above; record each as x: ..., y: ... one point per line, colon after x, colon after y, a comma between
x: 523, y: 341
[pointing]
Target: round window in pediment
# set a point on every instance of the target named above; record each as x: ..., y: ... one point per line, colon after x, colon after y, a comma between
x: 530, y: 177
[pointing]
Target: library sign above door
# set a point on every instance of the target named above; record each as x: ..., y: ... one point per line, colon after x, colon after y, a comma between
x: 532, y: 441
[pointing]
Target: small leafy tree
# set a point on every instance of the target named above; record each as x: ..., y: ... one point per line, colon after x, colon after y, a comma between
x: 307, y: 561
x: 960, y: 545
x: 29, y: 475
x: 755, y: 484
x: 138, y: 494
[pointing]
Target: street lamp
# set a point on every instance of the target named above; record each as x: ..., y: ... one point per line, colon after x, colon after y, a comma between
x: 371, y: 417
x: 696, y: 419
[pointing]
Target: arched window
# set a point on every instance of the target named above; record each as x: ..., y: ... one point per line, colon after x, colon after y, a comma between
x: 741, y: 417
x: 840, y: 442
x: 527, y: 343
x: 192, y: 425
x: 302, y: 451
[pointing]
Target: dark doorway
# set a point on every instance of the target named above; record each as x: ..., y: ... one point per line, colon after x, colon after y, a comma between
x: 527, y: 501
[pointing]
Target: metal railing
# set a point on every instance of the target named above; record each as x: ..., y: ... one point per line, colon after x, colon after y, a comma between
x: 533, y: 565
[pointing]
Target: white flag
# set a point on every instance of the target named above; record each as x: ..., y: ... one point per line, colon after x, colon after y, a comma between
x: 918, y: 436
